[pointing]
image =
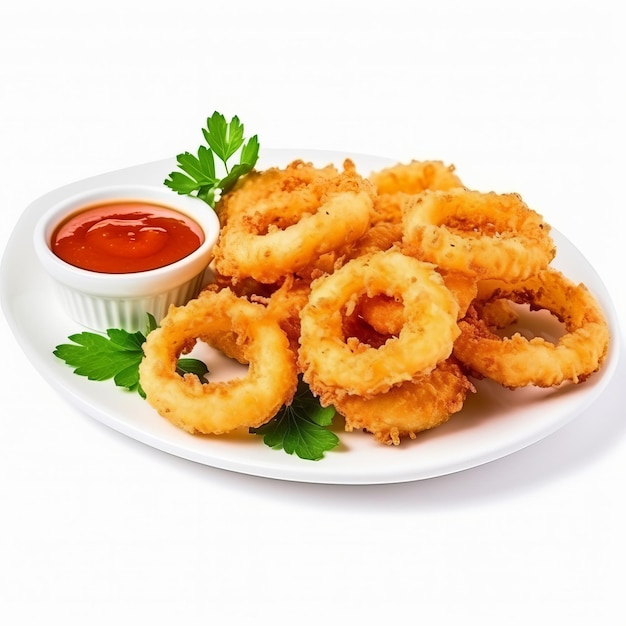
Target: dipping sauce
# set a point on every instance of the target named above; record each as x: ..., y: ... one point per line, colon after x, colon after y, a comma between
x: 122, y: 237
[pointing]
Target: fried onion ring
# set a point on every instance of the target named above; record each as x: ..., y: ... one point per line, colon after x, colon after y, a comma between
x: 517, y: 361
x: 498, y: 313
x: 380, y: 236
x: 334, y: 366
x: 220, y: 407
x: 489, y: 235
x: 410, y: 407
x: 386, y: 315
x: 285, y: 305
x: 290, y: 231
x: 415, y: 177
x: 276, y: 185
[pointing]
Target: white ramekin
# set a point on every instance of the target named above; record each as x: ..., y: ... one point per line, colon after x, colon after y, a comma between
x: 100, y: 301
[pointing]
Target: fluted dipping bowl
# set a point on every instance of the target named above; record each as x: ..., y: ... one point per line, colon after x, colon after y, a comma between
x: 98, y: 300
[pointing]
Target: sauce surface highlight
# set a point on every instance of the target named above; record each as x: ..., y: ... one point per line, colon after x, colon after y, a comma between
x: 121, y: 237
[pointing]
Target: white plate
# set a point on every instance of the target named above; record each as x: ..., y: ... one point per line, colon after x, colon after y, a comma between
x: 494, y: 422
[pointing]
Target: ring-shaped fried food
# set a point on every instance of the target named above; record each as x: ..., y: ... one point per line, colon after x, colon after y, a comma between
x: 397, y: 186
x: 498, y: 313
x: 380, y: 236
x: 277, y: 185
x: 517, y: 361
x: 289, y: 232
x: 386, y: 315
x: 285, y: 305
x: 489, y: 235
x: 410, y: 407
x: 334, y: 366
x: 390, y: 207
x: 218, y: 407
x: 415, y: 177
x: 463, y: 287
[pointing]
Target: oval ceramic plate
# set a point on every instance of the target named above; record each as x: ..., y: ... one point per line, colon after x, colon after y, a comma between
x: 493, y: 423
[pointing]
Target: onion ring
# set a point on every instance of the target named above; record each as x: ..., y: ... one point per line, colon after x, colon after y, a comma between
x: 379, y: 237
x: 408, y: 408
x: 220, y: 407
x: 489, y: 235
x: 415, y: 177
x: 285, y: 305
x: 390, y: 207
x: 498, y: 313
x: 386, y: 315
x: 517, y: 361
x: 288, y: 232
x: 277, y: 186
x: 334, y: 366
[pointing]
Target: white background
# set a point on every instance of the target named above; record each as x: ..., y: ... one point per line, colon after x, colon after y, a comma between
x: 521, y: 96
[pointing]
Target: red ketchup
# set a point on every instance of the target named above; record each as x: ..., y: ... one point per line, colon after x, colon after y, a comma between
x: 122, y: 237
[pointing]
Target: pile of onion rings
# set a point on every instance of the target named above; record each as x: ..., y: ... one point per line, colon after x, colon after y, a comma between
x: 387, y: 294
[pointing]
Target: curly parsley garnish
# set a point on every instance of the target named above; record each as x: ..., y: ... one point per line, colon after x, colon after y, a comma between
x: 116, y: 356
x: 200, y: 177
x: 301, y: 427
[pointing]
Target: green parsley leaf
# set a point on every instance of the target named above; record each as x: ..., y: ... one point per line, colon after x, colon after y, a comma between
x: 116, y: 355
x: 100, y: 357
x: 199, y: 176
x: 192, y: 366
x: 151, y: 324
x: 301, y: 427
x: 223, y: 138
x: 250, y: 152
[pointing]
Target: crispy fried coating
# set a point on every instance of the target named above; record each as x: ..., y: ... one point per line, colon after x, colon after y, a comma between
x: 220, y: 407
x: 334, y: 366
x: 386, y: 314
x: 517, y: 361
x: 408, y: 408
x: 415, y: 177
x: 387, y: 294
x: 308, y: 214
x: 488, y: 235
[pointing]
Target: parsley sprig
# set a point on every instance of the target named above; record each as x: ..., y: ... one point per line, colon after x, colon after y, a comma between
x: 301, y: 427
x: 199, y: 176
x: 116, y: 355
